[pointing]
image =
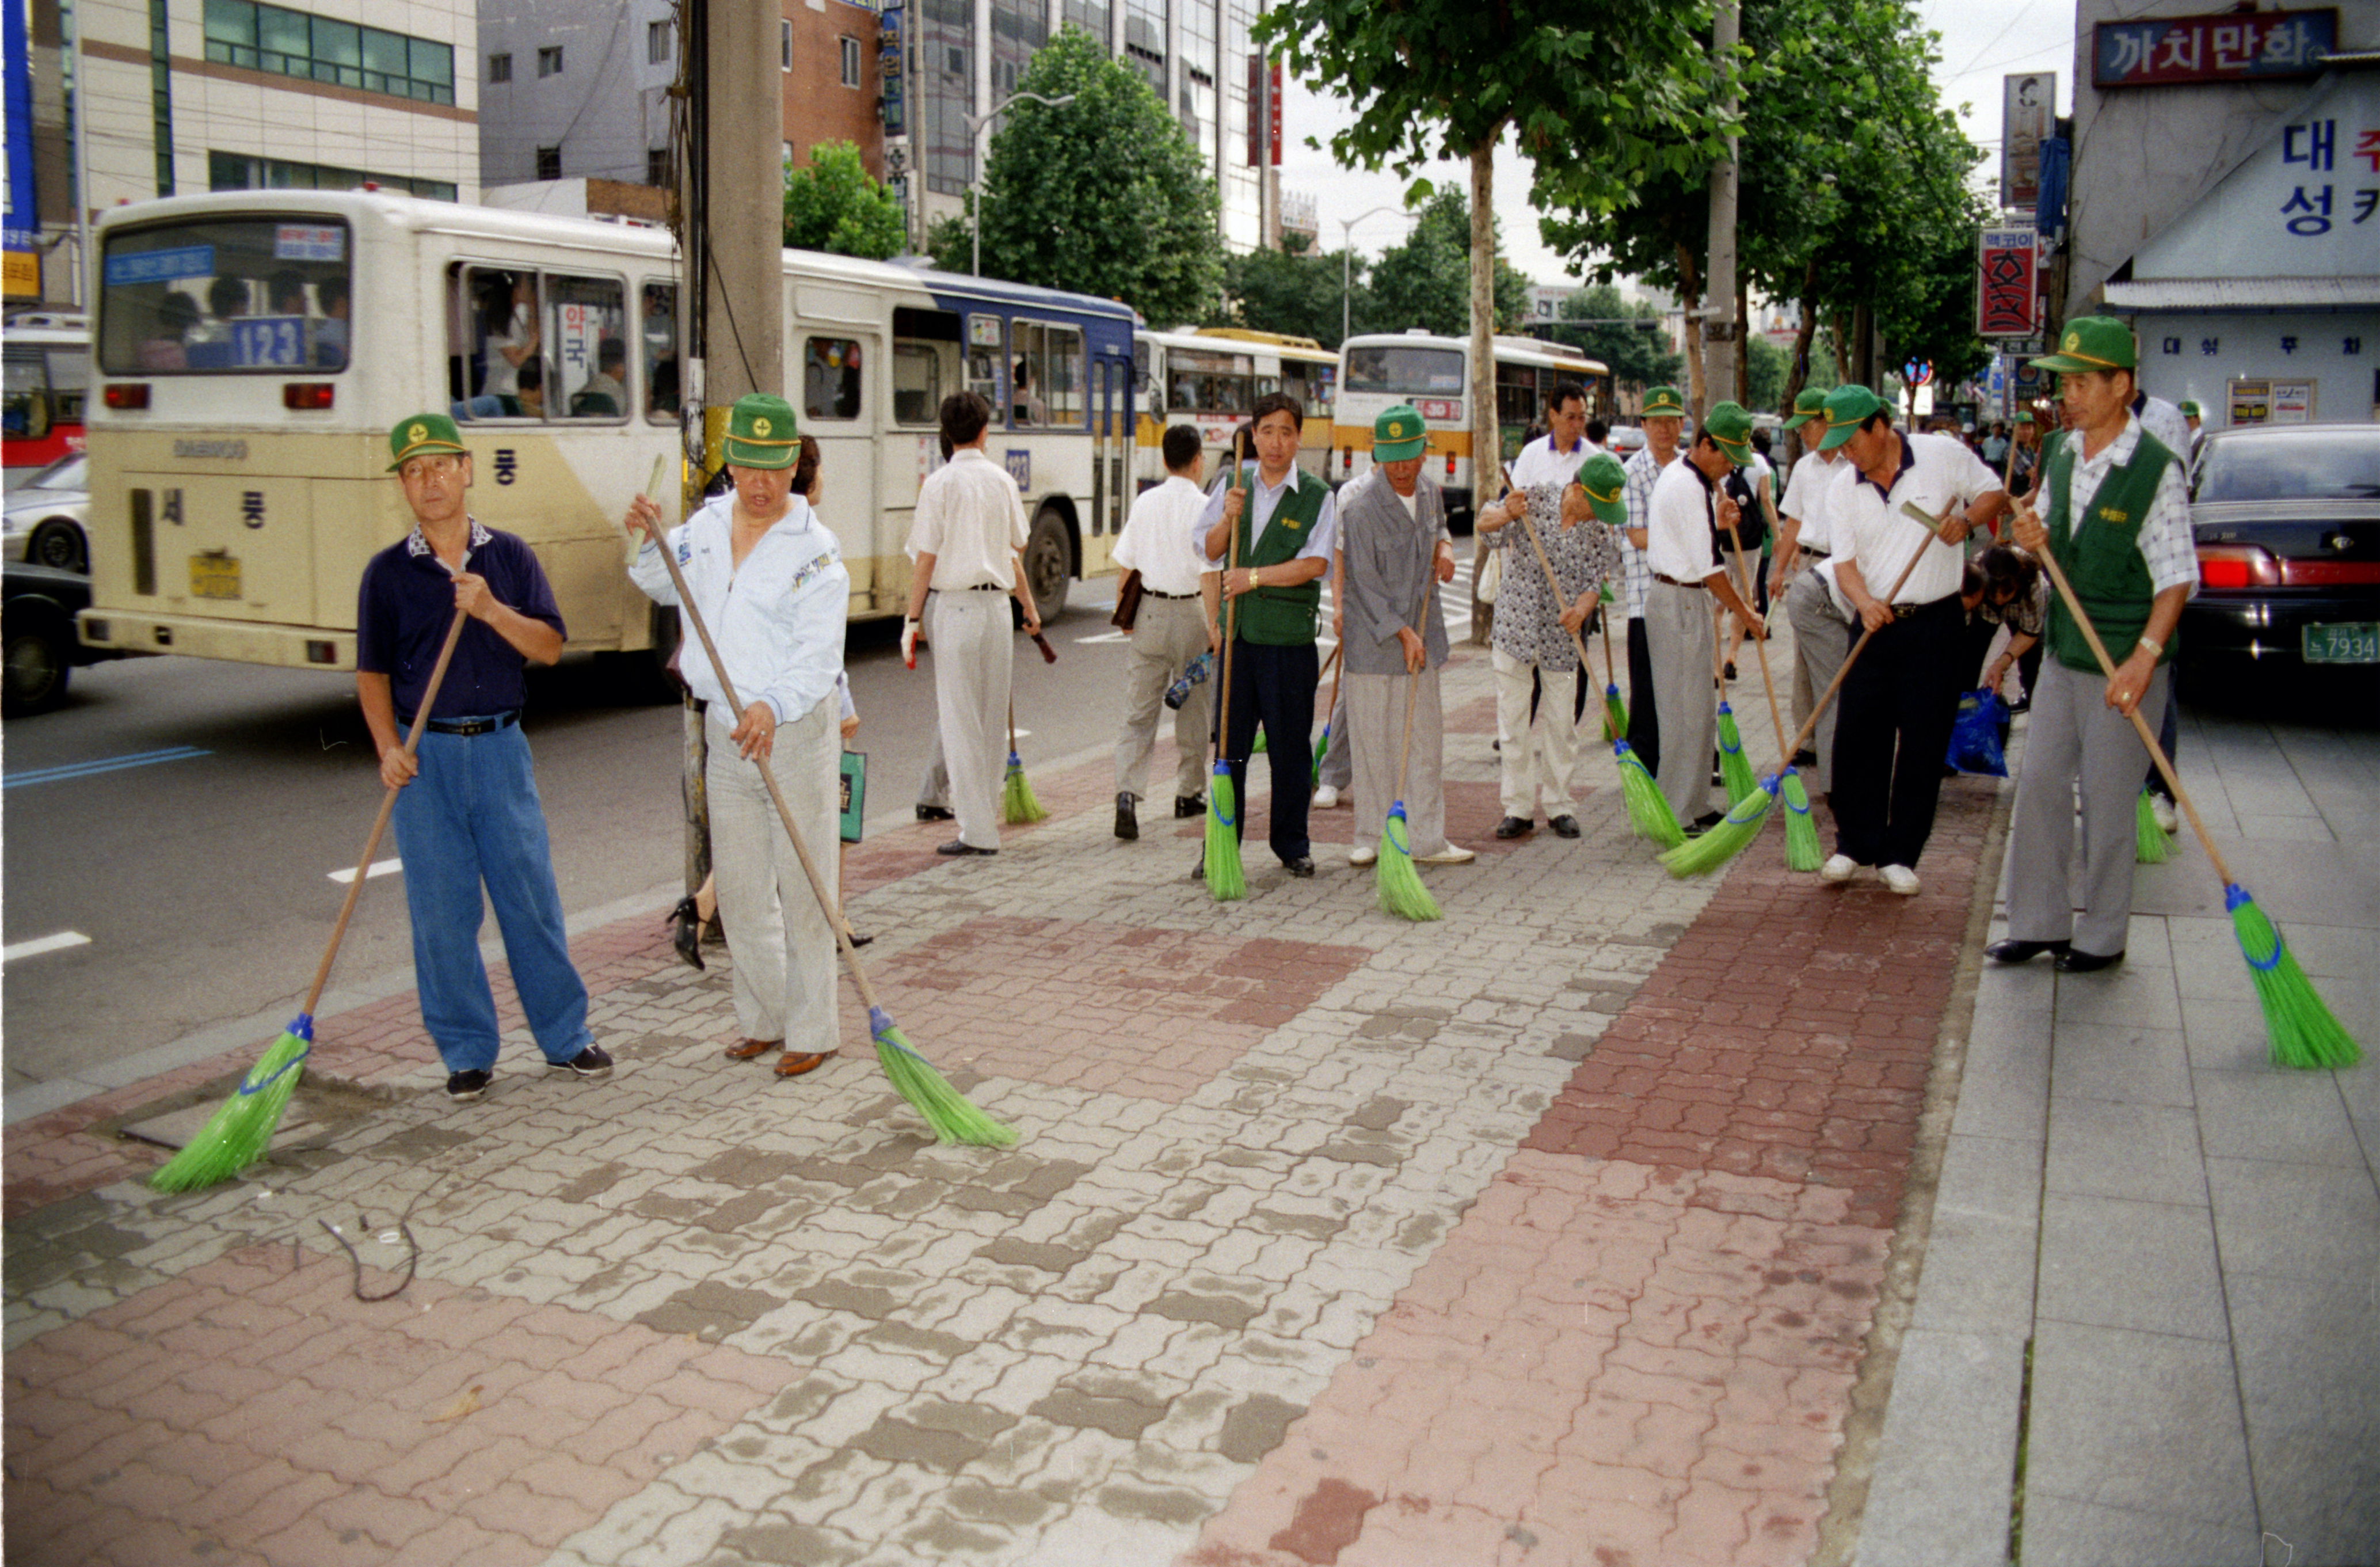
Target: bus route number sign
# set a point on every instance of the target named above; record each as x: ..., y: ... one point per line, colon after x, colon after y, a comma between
x: 273, y: 342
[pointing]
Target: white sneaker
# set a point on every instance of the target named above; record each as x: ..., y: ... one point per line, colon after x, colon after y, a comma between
x: 2162, y: 808
x: 1325, y: 798
x: 1839, y: 868
x: 1900, y: 879
x: 1360, y: 856
x: 1453, y: 854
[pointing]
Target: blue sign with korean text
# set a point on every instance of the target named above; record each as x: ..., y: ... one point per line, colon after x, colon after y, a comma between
x: 1020, y: 468
x: 161, y: 266
x: 2230, y: 46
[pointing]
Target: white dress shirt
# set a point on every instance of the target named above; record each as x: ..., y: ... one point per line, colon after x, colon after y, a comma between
x: 1540, y: 464
x: 1267, y: 500
x: 2164, y: 420
x: 1871, y: 532
x: 1162, y: 539
x: 1678, y: 537
x: 1805, y: 497
x: 2165, y: 537
x: 971, y: 519
x: 778, y: 619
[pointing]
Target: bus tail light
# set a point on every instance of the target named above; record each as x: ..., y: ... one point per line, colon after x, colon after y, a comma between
x: 2237, y: 566
x: 306, y: 394
x: 127, y: 395
x: 1449, y: 468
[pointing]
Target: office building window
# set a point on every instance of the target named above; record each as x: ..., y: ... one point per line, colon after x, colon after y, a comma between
x: 237, y: 171
x: 1091, y: 16
x: 851, y: 62
x: 500, y: 68
x: 657, y: 167
x: 1145, y: 23
x: 549, y: 61
x: 946, y: 92
x: 287, y: 42
x: 657, y: 43
x: 784, y: 46
x: 548, y: 163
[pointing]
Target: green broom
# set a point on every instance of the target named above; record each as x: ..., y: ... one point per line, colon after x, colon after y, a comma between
x: 1400, y: 884
x: 1227, y: 879
x: 238, y: 1133
x: 1706, y: 852
x: 1649, y: 814
x: 1323, y: 749
x: 1615, y: 712
x: 1802, y: 850
x: 1734, y: 771
x: 1017, y: 805
x: 2151, y: 845
x: 948, y: 1113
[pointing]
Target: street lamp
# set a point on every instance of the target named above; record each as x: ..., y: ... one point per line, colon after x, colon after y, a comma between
x: 974, y: 137
x: 1346, y: 261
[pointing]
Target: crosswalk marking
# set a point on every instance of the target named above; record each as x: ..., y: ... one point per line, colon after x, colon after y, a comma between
x: 34, y: 948
x: 378, y: 868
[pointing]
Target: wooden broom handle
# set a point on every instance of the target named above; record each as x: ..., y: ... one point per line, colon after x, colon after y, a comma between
x: 1553, y: 585
x: 1759, y: 643
x: 1231, y: 610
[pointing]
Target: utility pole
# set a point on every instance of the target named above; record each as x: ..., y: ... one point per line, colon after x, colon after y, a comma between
x: 1720, y: 323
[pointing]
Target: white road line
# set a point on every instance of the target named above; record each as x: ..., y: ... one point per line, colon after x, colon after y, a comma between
x: 378, y: 868
x: 58, y: 942
x: 1109, y: 637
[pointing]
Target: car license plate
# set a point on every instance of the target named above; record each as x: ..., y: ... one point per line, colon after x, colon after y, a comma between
x: 2355, y: 642
x: 215, y: 577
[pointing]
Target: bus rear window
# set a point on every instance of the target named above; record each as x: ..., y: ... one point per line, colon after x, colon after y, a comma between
x: 226, y: 295
x: 1409, y: 370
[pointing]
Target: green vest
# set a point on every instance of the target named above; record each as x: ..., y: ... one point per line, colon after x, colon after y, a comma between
x: 1282, y: 617
x: 2102, y: 562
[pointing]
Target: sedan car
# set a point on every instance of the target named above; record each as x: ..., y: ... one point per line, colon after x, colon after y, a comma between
x: 2287, y: 519
x: 38, y: 646
x: 45, y: 516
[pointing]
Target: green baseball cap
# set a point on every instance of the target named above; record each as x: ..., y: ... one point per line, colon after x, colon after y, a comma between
x: 1606, y: 483
x: 1729, y: 425
x: 2024, y: 416
x: 2190, y: 409
x: 1399, y: 434
x: 760, y: 432
x: 1663, y: 402
x: 1808, y: 405
x: 423, y: 433
x: 2093, y: 343
x: 1848, y: 407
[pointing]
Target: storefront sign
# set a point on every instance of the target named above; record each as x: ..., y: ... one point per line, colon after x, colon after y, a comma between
x: 2229, y: 46
x: 2005, y: 283
x: 2028, y: 110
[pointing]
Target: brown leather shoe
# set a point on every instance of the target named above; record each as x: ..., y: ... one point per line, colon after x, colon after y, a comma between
x: 793, y: 1065
x: 750, y: 1049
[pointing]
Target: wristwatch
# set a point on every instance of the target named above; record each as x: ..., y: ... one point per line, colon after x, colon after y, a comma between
x: 1256, y: 576
x: 2155, y: 648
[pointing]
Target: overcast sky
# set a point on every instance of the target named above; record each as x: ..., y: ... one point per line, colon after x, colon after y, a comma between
x: 1982, y: 41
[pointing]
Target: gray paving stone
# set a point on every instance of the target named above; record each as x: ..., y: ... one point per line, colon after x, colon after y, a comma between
x: 2004, y: 1088
x: 2308, y: 1359
x: 2287, y: 1117
x: 2140, y: 1266
x: 1980, y: 1252
x: 2062, y: 1532
x: 2146, y: 1423
x: 2128, y: 1063
x: 1940, y: 1488
x: 2295, y: 1221
x: 2141, y: 1152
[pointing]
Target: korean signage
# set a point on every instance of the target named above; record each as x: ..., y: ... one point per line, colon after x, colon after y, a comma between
x: 2007, y: 283
x: 1264, y: 112
x: 2028, y: 117
x: 24, y: 267
x: 2228, y: 47
x: 2271, y: 402
x: 2304, y: 204
x: 896, y: 109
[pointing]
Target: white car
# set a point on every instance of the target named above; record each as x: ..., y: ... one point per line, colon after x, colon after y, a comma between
x: 45, y: 516
x: 1624, y: 441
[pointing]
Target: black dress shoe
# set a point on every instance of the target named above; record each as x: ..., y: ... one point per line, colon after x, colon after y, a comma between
x: 1127, y: 826
x: 1706, y: 821
x: 1302, y: 866
x: 1199, y: 871
x: 961, y: 846
x: 686, y: 932
x: 2073, y: 961
x: 936, y: 813
x: 1564, y: 826
x: 1189, y: 805
x: 1513, y: 826
x: 1805, y: 757
x: 2013, y: 951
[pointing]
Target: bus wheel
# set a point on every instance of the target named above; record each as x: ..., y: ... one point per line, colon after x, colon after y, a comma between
x: 1049, y: 563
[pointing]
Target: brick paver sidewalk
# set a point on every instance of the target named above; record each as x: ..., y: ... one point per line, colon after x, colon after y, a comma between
x: 1555, y: 1232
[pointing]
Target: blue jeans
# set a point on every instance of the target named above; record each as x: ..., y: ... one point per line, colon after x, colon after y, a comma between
x: 472, y: 816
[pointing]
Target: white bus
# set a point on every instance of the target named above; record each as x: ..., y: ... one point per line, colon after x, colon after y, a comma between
x: 1381, y: 369
x: 254, y: 347
x: 1211, y: 377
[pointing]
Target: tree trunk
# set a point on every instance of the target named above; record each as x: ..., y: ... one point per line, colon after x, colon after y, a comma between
x: 1486, y: 440
x: 1722, y: 374
x: 1743, y: 341
x: 1842, y: 348
x: 1797, y: 374
x: 1689, y: 295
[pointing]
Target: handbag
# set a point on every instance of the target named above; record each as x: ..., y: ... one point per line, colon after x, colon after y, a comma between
x: 1127, y: 608
x: 1490, y: 579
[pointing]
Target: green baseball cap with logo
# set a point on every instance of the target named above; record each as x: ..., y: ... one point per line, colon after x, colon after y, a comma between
x: 1848, y: 407
x: 2190, y: 409
x: 422, y: 434
x: 760, y: 432
x: 1808, y: 405
x: 1606, y: 483
x: 1663, y: 402
x: 2024, y: 416
x: 1729, y: 426
x: 2093, y: 343
x: 1399, y: 434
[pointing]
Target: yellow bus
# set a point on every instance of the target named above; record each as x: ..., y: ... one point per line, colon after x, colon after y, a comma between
x: 253, y: 349
x: 1211, y: 377
x: 1378, y: 370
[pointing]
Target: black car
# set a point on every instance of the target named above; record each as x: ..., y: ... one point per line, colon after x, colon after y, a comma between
x: 38, y: 647
x: 2287, y: 519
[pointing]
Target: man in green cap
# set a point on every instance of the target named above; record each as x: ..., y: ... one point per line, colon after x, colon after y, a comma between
x: 2195, y: 418
x: 2114, y: 513
x: 1902, y: 576
x: 1804, y: 577
x: 1688, y: 514
x: 467, y: 810
x: 1665, y: 418
x: 1394, y: 550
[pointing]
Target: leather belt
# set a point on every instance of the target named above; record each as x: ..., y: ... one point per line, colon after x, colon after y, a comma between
x: 1816, y: 555
x: 1908, y: 611
x: 1155, y: 594
x: 1697, y: 587
x: 469, y: 726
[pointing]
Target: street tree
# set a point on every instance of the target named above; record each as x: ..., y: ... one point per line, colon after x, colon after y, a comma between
x: 1295, y: 291
x: 835, y: 204
x: 1637, y: 357
x: 1424, y: 282
x: 1105, y: 195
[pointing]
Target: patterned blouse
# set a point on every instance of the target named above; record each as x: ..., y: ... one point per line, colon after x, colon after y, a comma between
x: 1529, y: 617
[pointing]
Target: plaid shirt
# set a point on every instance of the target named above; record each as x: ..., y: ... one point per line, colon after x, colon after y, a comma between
x: 1641, y: 470
x: 2166, y: 541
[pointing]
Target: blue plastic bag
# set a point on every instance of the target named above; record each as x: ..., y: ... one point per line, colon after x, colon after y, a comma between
x: 1975, y: 737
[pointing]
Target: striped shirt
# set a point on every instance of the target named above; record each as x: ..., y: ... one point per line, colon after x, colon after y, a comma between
x: 1642, y: 468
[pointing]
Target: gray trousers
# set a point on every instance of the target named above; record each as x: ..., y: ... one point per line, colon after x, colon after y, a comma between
x: 1376, y: 709
x: 1678, y: 632
x: 1339, y: 762
x: 968, y: 634
x: 784, y: 949
x: 2074, y: 737
x: 1167, y: 634
x: 1822, y: 639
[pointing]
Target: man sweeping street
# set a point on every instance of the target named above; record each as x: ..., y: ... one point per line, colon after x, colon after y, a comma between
x: 1822, y: 628
x: 2116, y: 516
x: 468, y: 814
x: 1171, y: 629
x: 1664, y: 419
x: 1394, y: 546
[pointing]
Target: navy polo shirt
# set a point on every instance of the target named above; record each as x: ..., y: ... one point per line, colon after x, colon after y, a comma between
x: 407, y: 602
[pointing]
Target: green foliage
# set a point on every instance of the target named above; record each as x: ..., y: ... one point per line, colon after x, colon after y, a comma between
x: 1766, y: 365
x: 1636, y: 356
x: 1426, y: 282
x: 835, y: 204
x: 1298, y: 293
x: 1105, y: 195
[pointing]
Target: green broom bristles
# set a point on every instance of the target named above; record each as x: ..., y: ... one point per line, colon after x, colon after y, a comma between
x: 1400, y: 884
x: 1802, y: 850
x: 1615, y: 714
x: 242, y: 1129
x: 1700, y: 857
x: 1016, y: 802
x: 1734, y: 771
x: 1261, y: 747
x: 2152, y: 847
x: 2302, y: 1030
x: 1649, y: 814
x: 1321, y: 750
x: 1226, y: 878
x: 951, y: 1115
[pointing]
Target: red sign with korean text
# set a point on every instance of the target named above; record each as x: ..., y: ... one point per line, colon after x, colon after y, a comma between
x: 2007, y: 283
